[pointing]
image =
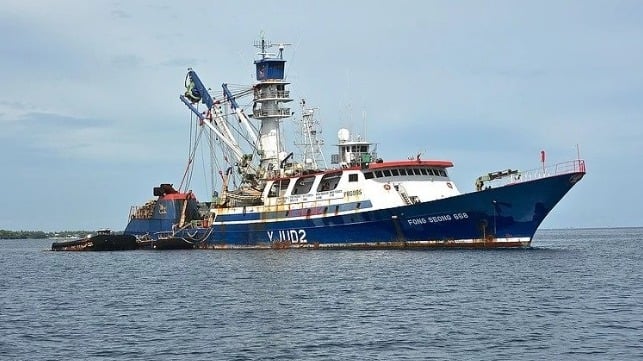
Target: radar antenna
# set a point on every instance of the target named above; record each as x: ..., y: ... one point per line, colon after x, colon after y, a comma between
x: 263, y: 45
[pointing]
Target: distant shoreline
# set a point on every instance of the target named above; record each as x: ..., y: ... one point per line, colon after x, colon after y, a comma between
x: 6, y: 234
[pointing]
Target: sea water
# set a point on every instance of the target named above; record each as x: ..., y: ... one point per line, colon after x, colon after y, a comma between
x: 575, y: 295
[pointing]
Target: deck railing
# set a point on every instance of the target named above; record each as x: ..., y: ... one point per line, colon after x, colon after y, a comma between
x: 272, y: 94
x: 279, y: 112
x: 573, y: 166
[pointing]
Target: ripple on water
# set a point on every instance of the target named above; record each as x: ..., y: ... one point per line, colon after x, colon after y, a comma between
x: 575, y: 295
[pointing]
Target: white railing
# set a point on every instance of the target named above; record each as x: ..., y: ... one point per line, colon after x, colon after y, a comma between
x: 573, y: 166
x: 282, y: 112
x: 272, y: 94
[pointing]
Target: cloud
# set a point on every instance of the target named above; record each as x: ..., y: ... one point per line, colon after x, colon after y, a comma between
x: 484, y: 84
x: 71, y: 138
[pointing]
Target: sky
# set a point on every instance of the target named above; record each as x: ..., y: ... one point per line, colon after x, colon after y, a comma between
x: 90, y: 119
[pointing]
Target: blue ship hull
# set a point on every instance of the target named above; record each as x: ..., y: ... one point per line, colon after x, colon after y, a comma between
x: 506, y: 216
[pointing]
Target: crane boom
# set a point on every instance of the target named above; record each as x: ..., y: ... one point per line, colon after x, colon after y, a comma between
x: 230, y: 143
x: 196, y: 91
x: 241, y: 116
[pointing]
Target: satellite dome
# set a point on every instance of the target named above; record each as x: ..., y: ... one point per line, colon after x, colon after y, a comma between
x: 344, y: 135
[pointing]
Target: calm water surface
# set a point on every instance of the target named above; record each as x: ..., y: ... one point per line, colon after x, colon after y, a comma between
x: 576, y: 295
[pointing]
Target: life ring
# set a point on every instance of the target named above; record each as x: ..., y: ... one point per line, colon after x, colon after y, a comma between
x: 387, y: 186
x: 449, y: 185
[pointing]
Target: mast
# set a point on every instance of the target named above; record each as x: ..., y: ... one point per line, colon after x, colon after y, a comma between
x: 269, y: 94
x: 309, y: 144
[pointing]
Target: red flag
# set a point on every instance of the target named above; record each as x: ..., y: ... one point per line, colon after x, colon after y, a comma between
x: 542, y: 156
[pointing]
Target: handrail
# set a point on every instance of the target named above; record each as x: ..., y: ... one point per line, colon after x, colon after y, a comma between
x: 272, y: 94
x: 568, y: 167
x: 280, y: 112
x: 572, y: 166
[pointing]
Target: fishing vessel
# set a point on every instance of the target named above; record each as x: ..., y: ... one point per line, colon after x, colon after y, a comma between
x: 268, y: 197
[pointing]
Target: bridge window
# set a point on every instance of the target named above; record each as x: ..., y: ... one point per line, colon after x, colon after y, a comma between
x: 423, y: 170
x: 277, y: 189
x: 329, y: 182
x: 395, y: 172
x: 303, y: 185
x: 387, y: 173
x: 352, y: 177
x: 368, y: 175
x: 378, y: 174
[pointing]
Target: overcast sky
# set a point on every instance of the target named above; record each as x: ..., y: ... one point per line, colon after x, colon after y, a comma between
x: 90, y: 118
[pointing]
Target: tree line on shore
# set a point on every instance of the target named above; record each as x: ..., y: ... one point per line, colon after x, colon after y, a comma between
x: 7, y: 234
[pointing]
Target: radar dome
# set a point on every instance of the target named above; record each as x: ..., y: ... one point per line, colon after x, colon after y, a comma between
x: 344, y: 135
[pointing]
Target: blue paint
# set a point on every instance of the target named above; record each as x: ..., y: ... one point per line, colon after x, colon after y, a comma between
x: 270, y: 69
